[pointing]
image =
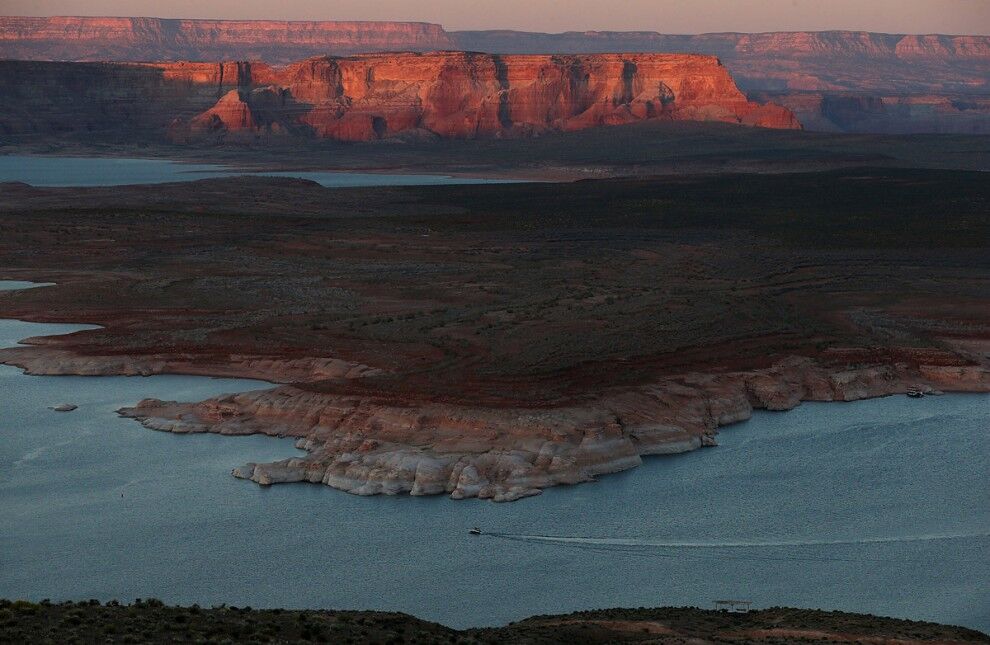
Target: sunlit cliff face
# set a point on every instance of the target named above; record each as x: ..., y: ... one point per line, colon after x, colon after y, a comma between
x: 458, y: 95
x: 445, y: 95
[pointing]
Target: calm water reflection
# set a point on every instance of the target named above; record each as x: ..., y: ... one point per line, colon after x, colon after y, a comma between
x: 110, y: 171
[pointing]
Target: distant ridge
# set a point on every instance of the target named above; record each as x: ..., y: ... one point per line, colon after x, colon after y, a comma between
x: 73, y: 38
x: 829, y: 60
x: 846, y: 81
x: 773, y: 61
x: 849, y: 81
x: 440, y: 95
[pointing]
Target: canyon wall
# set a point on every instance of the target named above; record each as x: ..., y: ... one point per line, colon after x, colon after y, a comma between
x: 839, y: 81
x: 123, y: 39
x: 373, y: 96
x: 776, y: 61
x: 788, y: 61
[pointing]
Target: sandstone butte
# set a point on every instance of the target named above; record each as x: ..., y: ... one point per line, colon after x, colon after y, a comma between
x: 847, y: 81
x: 371, y: 96
x: 463, y: 95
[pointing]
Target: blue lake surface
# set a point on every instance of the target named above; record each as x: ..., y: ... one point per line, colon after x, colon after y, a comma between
x: 15, y: 285
x: 110, y: 171
x: 877, y: 506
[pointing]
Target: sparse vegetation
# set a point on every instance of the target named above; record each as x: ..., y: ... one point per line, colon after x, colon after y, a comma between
x: 529, y: 293
x: 151, y: 621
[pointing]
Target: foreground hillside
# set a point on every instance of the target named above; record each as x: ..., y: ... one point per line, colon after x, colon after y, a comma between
x: 151, y: 621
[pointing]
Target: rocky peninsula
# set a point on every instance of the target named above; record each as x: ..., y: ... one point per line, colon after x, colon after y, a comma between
x: 368, y: 447
x: 491, y: 341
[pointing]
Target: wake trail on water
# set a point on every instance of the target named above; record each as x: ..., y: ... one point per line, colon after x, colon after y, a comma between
x: 706, y: 550
x: 748, y: 544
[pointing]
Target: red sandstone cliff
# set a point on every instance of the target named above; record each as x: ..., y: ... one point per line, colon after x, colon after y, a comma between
x: 834, y: 81
x: 850, y: 72
x: 94, y: 39
x: 774, y: 61
x: 371, y: 96
x: 464, y: 95
x: 778, y: 61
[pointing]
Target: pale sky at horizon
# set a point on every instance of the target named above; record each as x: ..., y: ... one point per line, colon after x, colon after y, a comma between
x: 669, y: 16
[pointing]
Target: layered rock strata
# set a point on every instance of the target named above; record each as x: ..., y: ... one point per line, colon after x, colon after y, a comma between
x: 906, y: 72
x: 367, y: 446
x: 800, y: 61
x: 836, y: 81
x: 359, y: 98
x: 59, y: 362
x: 114, y: 38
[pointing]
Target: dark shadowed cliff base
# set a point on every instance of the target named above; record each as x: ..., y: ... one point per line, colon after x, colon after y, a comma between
x: 644, y: 149
x: 490, y: 341
x: 150, y: 621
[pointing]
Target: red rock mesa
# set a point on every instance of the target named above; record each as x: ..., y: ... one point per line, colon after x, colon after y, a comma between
x: 465, y: 95
x: 371, y: 96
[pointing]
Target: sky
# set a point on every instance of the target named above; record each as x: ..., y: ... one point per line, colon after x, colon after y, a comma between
x: 668, y: 16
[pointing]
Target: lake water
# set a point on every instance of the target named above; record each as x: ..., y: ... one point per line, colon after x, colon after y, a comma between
x: 878, y: 506
x: 110, y: 171
x: 14, y: 285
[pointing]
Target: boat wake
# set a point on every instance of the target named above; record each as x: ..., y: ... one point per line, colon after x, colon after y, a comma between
x: 735, y: 550
x: 748, y: 544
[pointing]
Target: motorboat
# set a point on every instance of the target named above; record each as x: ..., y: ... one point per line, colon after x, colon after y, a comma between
x: 475, y: 531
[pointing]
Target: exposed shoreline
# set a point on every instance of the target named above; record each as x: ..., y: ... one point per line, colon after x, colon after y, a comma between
x: 492, y: 341
x: 525, y: 450
x: 640, y: 149
x: 234, y: 167
x: 369, y: 446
